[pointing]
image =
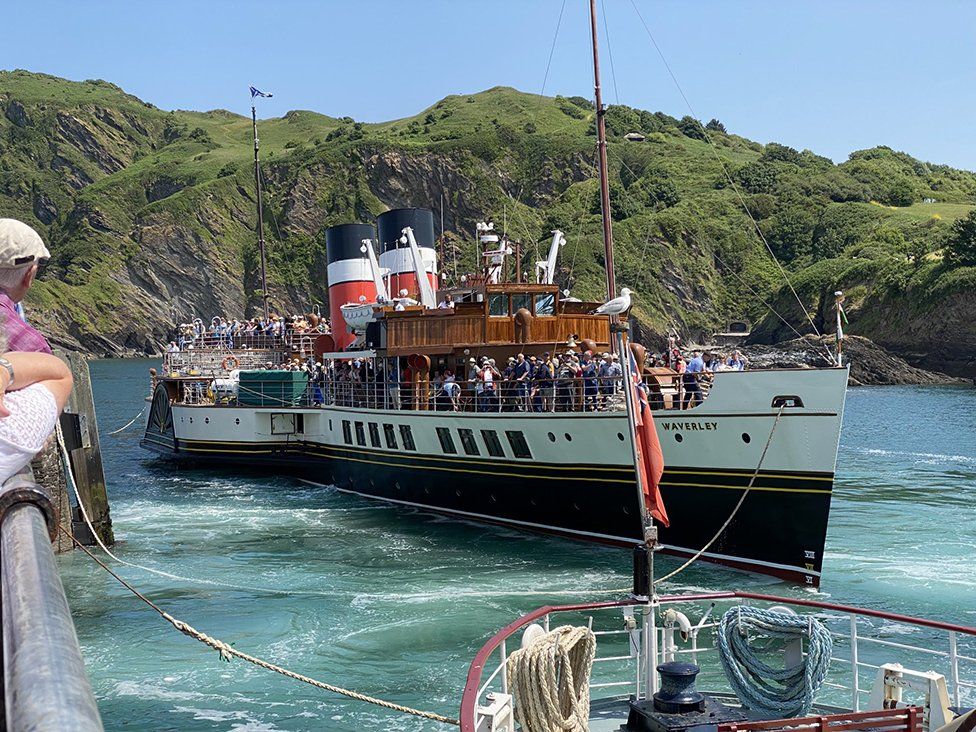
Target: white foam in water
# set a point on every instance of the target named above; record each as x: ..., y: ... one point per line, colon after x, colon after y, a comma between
x: 400, y: 601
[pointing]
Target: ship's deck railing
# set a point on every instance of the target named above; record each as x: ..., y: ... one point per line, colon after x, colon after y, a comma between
x: 45, y: 684
x: 863, y: 640
x: 561, y: 395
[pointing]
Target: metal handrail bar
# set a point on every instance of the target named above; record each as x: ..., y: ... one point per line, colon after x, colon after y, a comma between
x: 613, y: 658
x: 903, y: 646
x: 606, y: 684
x: 45, y: 684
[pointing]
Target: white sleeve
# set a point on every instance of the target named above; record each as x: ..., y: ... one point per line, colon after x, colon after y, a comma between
x: 33, y: 414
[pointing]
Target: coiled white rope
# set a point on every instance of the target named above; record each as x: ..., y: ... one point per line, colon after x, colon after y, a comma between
x: 550, y: 680
x: 774, y: 693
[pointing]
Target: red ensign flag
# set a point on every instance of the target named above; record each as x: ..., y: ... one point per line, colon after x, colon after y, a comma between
x: 650, y: 459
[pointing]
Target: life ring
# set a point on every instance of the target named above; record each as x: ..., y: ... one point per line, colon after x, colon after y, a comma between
x: 230, y: 363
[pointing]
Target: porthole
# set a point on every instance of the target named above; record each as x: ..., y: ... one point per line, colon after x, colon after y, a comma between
x: 746, y: 438
x: 191, y: 420
x: 552, y: 437
x: 576, y: 506
x: 626, y: 510
x: 620, y: 436
x: 397, y: 485
x: 569, y: 437
x: 678, y: 437
x: 457, y: 493
x: 237, y: 421
x: 206, y: 420
x: 493, y: 499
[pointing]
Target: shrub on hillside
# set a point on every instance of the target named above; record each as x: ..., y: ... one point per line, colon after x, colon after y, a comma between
x: 961, y: 243
x: 691, y: 127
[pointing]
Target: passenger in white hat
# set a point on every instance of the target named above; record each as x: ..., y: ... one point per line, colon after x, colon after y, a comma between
x: 22, y: 253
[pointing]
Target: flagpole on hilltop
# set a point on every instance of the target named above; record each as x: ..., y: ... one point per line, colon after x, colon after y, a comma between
x: 257, y: 184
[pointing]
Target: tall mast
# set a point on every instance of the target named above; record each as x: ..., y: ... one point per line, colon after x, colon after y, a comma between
x: 601, y: 144
x: 257, y: 183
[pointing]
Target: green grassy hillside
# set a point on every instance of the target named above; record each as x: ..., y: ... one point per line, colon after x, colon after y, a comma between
x: 150, y: 214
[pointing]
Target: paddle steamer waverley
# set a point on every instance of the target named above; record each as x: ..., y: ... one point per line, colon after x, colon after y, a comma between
x: 545, y: 457
x: 753, y: 464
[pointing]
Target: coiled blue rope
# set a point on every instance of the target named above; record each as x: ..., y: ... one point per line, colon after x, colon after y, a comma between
x: 773, y: 693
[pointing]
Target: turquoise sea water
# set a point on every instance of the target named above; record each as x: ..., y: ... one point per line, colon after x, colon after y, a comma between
x: 396, y: 603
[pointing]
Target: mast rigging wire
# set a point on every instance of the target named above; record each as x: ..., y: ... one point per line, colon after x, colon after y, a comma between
x: 606, y: 33
x: 722, y: 263
x: 552, y: 49
x: 725, y: 169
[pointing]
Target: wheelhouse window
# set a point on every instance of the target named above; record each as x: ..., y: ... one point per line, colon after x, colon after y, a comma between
x: 374, y: 434
x: 498, y: 304
x: 360, y: 434
x: 523, y: 300
x: 390, y: 434
x: 406, y: 436
x: 347, y: 431
x: 493, y: 444
x: 520, y: 448
x: 447, y: 442
x: 545, y: 304
x: 468, y: 443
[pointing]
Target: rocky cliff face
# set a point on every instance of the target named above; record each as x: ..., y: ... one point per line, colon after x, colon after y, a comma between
x: 150, y: 215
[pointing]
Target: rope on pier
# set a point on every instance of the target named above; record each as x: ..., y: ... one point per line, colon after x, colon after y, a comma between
x: 129, y: 423
x: 227, y: 651
x: 70, y: 479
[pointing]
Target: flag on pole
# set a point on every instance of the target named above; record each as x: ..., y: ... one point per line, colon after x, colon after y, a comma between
x: 650, y: 458
x: 259, y: 93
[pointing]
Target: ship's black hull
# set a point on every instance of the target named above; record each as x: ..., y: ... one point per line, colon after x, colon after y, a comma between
x: 779, y: 530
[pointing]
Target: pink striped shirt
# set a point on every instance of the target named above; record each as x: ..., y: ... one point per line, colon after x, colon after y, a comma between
x: 20, y: 336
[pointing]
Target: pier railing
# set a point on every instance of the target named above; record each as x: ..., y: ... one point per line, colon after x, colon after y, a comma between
x: 45, y: 685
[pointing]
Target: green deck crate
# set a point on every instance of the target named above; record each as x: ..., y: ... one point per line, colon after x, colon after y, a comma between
x: 272, y: 388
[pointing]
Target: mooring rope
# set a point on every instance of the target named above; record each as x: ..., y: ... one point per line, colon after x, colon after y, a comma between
x: 550, y: 680
x: 70, y: 479
x: 129, y: 423
x: 773, y: 692
x: 735, y: 510
x: 227, y: 651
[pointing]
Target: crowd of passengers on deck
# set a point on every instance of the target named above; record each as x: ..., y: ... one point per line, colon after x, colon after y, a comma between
x: 251, y: 332
x: 552, y: 382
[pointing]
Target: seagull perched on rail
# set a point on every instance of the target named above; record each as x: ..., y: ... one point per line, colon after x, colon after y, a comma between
x: 617, y: 306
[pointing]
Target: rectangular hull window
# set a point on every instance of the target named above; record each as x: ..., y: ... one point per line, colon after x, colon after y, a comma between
x: 520, y: 448
x: 493, y: 444
x: 347, y: 431
x: 374, y: 434
x: 468, y: 443
x: 390, y: 434
x: 360, y: 434
x: 407, y: 436
x: 447, y: 442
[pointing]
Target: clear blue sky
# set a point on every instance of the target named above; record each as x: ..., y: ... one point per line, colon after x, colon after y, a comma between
x: 826, y: 75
